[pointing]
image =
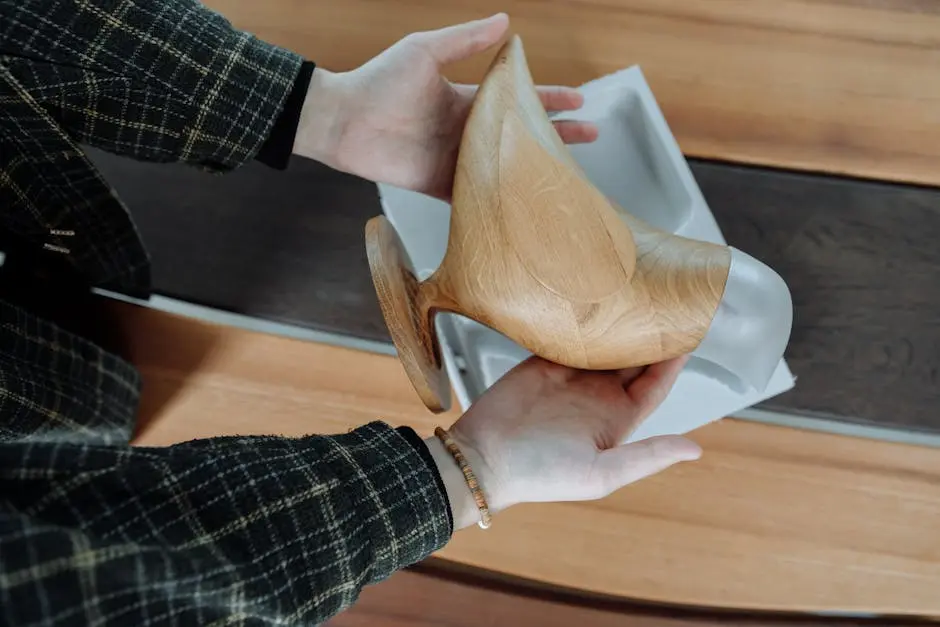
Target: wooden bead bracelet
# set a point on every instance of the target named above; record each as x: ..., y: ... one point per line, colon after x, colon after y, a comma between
x: 475, y: 490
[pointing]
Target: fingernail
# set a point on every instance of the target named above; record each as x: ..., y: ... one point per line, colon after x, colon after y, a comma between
x: 689, y: 451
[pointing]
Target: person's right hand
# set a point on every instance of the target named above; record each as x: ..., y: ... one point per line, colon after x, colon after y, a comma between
x: 546, y: 432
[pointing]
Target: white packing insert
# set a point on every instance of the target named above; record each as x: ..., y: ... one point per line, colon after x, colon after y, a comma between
x: 637, y: 163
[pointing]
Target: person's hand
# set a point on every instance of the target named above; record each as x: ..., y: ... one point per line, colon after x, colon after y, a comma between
x: 397, y: 120
x: 545, y: 432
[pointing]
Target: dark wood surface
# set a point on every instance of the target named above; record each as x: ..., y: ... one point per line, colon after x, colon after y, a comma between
x: 862, y: 260
x: 286, y: 246
x: 428, y: 596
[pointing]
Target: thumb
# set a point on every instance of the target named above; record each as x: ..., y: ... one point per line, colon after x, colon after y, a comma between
x: 625, y: 464
x: 458, y: 42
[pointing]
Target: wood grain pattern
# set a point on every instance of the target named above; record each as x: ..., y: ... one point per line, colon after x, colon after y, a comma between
x: 407, y: 317
x: 840, y: 86
x: 426, y: 596
x: 525, y: 225
x: 770, y: 518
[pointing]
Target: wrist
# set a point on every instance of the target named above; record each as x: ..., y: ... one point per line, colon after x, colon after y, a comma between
x: 322, y: 118
x: 463, y: 507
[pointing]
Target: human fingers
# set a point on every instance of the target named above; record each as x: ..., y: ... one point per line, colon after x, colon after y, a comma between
x: 553, y: 98
x: 460, y: 41
x: 628, y: 463
x: 574, y: 132
x: 649, y: 390
x: 557, y: 98
x: 570, y: 131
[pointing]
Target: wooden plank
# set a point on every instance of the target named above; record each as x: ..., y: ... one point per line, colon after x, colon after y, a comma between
x: 845, y: 86
x: 424, y: 597
x: 861, y: 259
x: 862, y: 263
x: 283, y: 246
x: 770, y: 518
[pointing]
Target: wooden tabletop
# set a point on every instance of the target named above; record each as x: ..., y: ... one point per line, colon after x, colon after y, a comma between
x: 838, y: 86
x: 771, y: 518
x: 430, y: 595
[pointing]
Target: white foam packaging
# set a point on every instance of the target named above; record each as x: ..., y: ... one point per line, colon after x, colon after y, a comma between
x: 637, y: 162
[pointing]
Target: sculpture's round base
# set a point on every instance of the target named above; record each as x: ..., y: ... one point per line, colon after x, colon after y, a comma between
x: 413, y: 334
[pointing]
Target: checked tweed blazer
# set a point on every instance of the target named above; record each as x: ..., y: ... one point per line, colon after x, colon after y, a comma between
x: 236, y: 530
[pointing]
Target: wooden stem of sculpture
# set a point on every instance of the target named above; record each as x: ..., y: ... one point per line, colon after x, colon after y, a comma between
x: 537, y: 253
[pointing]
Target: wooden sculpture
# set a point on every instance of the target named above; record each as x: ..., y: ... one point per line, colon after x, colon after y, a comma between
x: 537, y: 253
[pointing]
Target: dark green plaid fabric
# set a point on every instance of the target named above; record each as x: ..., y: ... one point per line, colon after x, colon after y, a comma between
x: 244, y: 530
x: 235, y: 530
x: 56, y: 387
x: 156, y: 80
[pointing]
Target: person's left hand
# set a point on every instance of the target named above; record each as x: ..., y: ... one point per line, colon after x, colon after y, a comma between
x: 397, y: 120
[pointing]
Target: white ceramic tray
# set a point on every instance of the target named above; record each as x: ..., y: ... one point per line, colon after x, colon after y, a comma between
x: 637, y: 163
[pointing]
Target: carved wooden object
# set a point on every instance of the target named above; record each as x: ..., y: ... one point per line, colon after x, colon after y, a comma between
x: 537, y: 253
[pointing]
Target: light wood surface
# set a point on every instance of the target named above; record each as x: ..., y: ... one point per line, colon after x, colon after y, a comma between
x: 770, y: 518
x: 427, y: 597
x: 846, y: 86
x: 537, y: 253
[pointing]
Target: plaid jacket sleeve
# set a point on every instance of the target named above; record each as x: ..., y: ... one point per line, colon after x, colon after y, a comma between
x: 159, y: 80
x: 241, y: 530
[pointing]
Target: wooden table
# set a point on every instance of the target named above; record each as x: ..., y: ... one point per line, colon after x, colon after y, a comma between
x: 840, y: 86
x: 772, y: 518
x: 431, y: 596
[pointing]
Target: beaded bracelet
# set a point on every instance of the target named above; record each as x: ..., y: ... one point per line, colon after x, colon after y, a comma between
x: 471, y: 478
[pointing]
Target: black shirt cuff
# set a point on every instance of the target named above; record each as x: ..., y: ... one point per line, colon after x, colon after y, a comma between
x: 278, y: 147
x: 418, y: 444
